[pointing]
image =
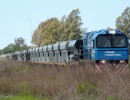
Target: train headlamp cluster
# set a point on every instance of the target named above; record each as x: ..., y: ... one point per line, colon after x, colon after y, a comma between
x: 112, y: 31
x: 122, y: 61
x: 104, y: 61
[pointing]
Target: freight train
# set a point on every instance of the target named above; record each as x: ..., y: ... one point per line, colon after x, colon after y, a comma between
x: 99, y: 46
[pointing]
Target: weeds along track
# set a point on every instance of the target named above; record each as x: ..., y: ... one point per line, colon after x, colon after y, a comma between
x: 78, y: 81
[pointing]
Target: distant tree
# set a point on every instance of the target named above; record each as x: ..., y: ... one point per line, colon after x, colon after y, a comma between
x: 123, y: 21
x: 18, y: 45
x: 53, y: 30
x: 36, y: 38
x: 46, y: 33
x: 72, y: 26
x: 1, y: 51
x: 9, y: 48
x: 19, y: 41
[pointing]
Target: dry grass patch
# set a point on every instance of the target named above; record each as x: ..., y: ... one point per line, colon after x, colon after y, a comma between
x: 71, y: 82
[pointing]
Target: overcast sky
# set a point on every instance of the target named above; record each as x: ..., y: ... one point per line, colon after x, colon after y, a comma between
x: 19, y: 18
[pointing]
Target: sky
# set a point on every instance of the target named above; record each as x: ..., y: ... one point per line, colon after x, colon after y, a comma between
x: 19, y: 18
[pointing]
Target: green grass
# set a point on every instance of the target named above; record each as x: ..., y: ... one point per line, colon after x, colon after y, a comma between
x: 28, y: 97
x: 86, y: 87
x: 112, y: 98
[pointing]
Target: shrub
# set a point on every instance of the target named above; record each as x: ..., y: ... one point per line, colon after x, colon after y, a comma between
x: 86, y: 87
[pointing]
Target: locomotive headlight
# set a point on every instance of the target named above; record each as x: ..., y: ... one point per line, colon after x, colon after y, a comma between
x: 103, y: 61
x: 112, y: 31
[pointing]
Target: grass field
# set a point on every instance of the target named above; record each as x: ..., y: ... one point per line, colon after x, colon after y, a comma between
x: 23, y: 81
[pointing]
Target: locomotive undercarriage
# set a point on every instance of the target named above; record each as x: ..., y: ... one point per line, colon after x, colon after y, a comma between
x: 117, y: 66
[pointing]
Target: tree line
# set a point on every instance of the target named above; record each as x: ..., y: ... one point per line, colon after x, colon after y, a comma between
x: 67, y: 28
x: 18, y: 45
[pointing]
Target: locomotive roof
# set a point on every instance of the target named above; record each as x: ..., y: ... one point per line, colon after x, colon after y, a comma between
x: 94, y: 34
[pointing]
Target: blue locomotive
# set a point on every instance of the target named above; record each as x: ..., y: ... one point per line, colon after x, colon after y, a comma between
x: 106, y: 46
x: 99, y: 46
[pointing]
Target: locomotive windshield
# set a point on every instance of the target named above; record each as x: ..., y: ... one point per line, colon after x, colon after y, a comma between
x: 111, y: 41
x: 103, y: 41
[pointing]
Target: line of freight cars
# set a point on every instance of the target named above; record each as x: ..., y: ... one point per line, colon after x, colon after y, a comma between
x: 64, y: 52
x: 100, y: 46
